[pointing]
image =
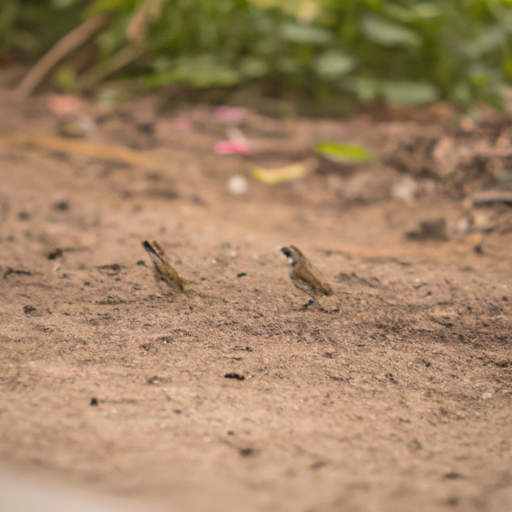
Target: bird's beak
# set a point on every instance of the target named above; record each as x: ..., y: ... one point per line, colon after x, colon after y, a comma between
x: 286, y: 251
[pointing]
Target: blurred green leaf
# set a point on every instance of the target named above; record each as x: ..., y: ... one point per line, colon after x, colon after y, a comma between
x: 343, y: 153
x: 8, y: 13
x: 366, y: 89
x: 62, y: 4
x: 494, y: 38
x: 22, y: 40
x: 33, y: 26
x: 388, y: 34
x: 65, y: 76
x: 461, y: 93
x: 253, y: 67
x: 422, y: 11
x: 299, y: 33
x: 107, y: 5
x: 410, y: 93
x: 333, y: 64
x: 507, y: 68
x: 288, y: 65
x: 202, y: 71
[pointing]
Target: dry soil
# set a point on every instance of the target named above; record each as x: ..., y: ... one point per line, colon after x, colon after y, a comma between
x: 393, y: 395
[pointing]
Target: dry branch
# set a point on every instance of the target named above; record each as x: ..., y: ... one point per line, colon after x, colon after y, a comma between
x: 62, y: 48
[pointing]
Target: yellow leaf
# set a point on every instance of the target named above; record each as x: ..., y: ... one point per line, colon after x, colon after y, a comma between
x: 283, y: 174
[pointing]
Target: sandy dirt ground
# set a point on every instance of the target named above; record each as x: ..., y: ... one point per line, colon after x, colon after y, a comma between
x: 394, y: 394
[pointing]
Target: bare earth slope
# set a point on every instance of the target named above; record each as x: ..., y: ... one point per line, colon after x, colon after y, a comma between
x: 393, y: 395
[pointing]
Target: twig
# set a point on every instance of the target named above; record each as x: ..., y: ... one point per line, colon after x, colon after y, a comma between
x: 491, y: 196
x: 117, y: 153
x: 100, y: 71
x: 62, y: 48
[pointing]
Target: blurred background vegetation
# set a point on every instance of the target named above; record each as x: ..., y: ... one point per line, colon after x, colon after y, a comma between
x: 326, y: 51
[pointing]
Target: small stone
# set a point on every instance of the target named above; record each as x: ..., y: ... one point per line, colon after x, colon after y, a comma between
x: 238, y: 185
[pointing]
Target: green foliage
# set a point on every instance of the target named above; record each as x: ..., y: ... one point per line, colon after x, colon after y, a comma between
x: 30, y: 27
x: 401, y: 51
x: 343, y: 153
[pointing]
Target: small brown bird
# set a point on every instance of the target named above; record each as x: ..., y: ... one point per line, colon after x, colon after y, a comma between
x: 163, y: 269
x: 304, y: 275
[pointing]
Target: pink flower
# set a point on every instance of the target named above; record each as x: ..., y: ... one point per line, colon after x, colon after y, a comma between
x: 183, y: 124
x: 232, y: 147
x: 230, y: 114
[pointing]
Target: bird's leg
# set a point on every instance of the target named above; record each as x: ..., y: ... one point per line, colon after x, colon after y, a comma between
x: 308, y: 303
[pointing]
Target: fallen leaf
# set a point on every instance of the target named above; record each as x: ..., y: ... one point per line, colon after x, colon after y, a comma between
x: 343, y: 153
x: 283, y: 174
